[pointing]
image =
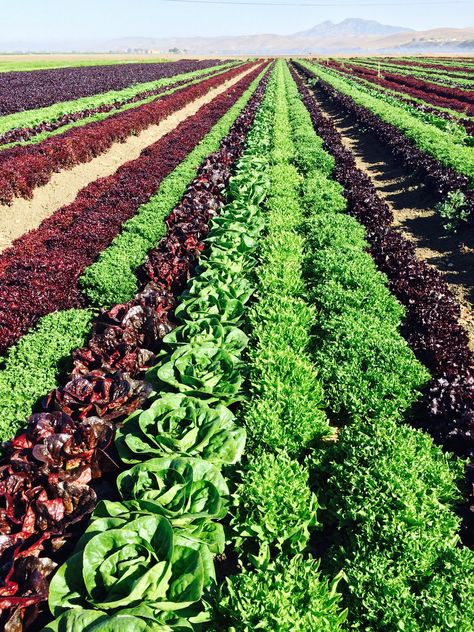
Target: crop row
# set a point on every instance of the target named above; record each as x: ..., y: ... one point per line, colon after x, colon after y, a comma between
x: 37, y: 125
x: 444, y: 165
x: 437, y: 95
x: 433, y: 63
x: 458, y: 126
x: 24, y: 168
x: 273, y: 510
x: 31, y: 367
x: 396, y: 573
x: 372, y: 497
x: 423, y: 99
x: 180, y: 491
x: 388, y: 493
x: 28, y: 90
x: 36, y: 279
x: 462, y: 98
x: 443, y: 78
x: 66, y: 471
x: 203, y: 364
x: 432, y: 325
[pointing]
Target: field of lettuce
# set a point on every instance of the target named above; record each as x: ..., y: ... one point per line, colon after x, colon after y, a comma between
x: 233, y: 396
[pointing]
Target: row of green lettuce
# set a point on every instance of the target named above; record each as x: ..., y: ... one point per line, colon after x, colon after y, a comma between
x: 147, y: 561
x: 440, y: 77
x: 117, y: 98
x: 274, y: 513
x: 456, y: 130
x: 33, y: 366
x: 437, y: 143
x: 388, y: 495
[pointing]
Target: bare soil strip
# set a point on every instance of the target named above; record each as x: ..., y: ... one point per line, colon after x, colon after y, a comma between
x: 413, y: 207
x: 25, y: 215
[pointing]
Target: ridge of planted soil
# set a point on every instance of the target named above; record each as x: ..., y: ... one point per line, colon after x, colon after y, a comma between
x: 413, y: 207
x: 25, y: 215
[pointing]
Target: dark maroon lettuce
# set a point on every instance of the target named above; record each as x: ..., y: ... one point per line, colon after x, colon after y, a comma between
x: 26, y: 90
x: 54, y: 471
x: 35, y: 276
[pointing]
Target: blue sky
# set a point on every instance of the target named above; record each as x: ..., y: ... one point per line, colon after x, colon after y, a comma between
x: 86, y: 19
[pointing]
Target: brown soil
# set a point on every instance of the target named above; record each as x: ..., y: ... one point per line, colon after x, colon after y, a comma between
x: 413, y: 209
x: 25, y: 215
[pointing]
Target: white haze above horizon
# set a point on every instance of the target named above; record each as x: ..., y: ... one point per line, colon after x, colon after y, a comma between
x: 89, y: 20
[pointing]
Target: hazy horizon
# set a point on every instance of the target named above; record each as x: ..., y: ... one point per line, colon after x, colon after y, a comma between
x: 52, y: 21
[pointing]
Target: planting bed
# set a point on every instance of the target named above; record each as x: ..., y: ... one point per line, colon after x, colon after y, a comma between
x: 450, y: 100
x: 233, y: 396
x: 430, y: 152
x: 35, y: 277
x: 124, y: 344
x: 24, y: 168
x: 38, y: 124
x: 39, y: 88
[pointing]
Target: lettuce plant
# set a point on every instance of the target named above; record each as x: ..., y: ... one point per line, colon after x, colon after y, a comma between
x: 140, y: 563
x: 181, y: 488
x: 274, y: 506
x: 213, y: 300
x: 207, y: 371
x: 179, y: 424
x: 206, y: 331
x: 287, y: 595
x: 81, y: 620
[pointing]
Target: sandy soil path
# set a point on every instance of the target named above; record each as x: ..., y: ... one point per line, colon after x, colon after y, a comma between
x: 413, y: 207
x: 25, y: 215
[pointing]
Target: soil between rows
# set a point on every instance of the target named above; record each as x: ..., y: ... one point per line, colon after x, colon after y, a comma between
x: 25, y: 215
x: 412, y: 204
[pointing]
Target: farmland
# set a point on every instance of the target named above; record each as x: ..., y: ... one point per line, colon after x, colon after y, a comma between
x: 237, y: 345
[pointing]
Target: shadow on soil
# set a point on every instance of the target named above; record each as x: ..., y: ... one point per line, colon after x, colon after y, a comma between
x: 411, y: 202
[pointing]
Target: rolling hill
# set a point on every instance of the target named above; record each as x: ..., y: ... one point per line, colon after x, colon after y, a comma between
x: 351, y: 36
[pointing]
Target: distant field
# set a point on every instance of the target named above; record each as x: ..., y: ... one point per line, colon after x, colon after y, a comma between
x: 9, y: 63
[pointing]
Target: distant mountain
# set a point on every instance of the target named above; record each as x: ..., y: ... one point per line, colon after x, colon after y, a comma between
x: 442, y: 40
x: 350, y: 37
x: 445, y: 41
x: 352, y: 27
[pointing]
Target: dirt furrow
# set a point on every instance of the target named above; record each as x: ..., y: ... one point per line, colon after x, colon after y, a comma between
x: 25, y: 215
x: 413, y: 207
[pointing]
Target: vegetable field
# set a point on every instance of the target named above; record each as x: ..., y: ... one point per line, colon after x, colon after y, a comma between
x: 236, y: 392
